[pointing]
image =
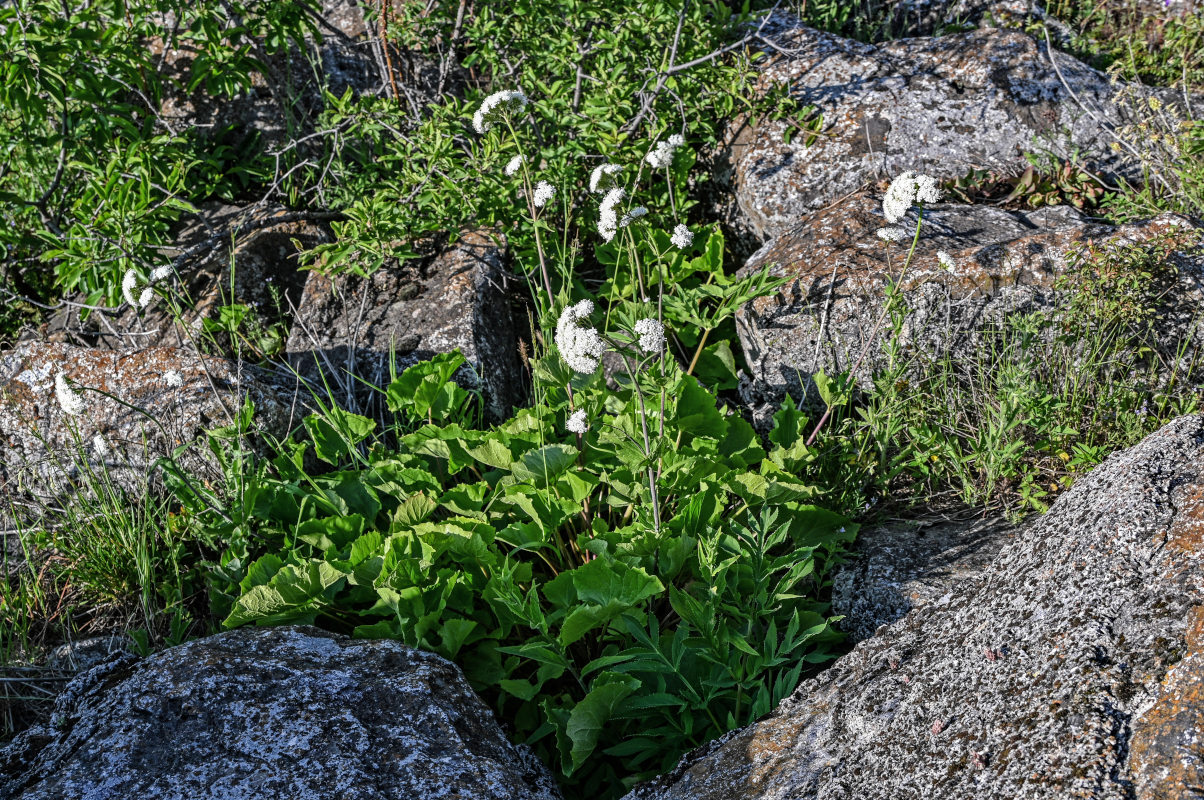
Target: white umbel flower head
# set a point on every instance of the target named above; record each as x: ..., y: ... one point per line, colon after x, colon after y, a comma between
x: 608, y: 217
x: 576, y: 422
x: 129, y: 285
x: 632, y: 215
x: 580, y: 347
x: 927, y: 189
x: 891, y: 234
x: 174, y: 379
x: 652, y: 335
x: 513, y: 165
x: 161, y: 273
x: 682, y: 237
x: 544, y: 192
x: 144, y: 299
x: 498, y: 101
x: 100, y: 447
x: 69, y: 399
x: 945, y: 260
x: 602, y: 177
x: 899, y: 197
x: 662, y: 155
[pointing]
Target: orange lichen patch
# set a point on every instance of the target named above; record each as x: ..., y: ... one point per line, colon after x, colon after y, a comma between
x: 1186, y: 532
x: 1167, y: 749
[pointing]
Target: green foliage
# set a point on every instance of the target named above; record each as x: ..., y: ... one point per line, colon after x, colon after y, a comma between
x: 1044, y: 397
x: 94, y: 176
x: 612, y: 635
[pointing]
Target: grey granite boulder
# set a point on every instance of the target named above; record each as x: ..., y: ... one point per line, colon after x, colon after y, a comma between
x: 1004, y: 262
x: 1072, y: 668
x: 459, y: 299
x: 941, y: 106
x: 290, y: 713
x: 164, y: 397
x: 897, y: 566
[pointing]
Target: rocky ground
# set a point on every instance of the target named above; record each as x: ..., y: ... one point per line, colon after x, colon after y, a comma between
x: 1060, y: 658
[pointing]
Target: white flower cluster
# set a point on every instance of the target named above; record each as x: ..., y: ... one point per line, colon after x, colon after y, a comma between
x: 608, y: 217
x: 682, y: 237
x: 513, y: 165
x: 576, y: 423
x: 945, y: 260
x: 580, y: 347
x: 602, y: 177
x: 906, y: 190
x: 174, y: 379
x: 652, y: 335
x: 891, y: 234
x: 138, y: 294
x: 100, y: 447
x: 69, y: 399
x: 662, y: 156
x: 632, y: 215
x: 544, y: 192
x: 506, y: 100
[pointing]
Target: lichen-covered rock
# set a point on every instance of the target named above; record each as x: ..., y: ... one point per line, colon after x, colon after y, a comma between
x: 940, y: 106
x: 458, y: 299
x: 1071, y: 669
x: 896, y: 567
x: 224, y: 255
x: 1004, y: 262
x: 168, y: 397
x: 255, y: 713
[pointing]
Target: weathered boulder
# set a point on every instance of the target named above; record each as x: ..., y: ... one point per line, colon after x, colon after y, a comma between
x: 294, y: 713
x: 1071, y: 668
x: 1005, y: 262
x: 223, y: 255
x: 941, y: 106
x: 458, y: 299
x: 896, y: 567
x: 168, y: 396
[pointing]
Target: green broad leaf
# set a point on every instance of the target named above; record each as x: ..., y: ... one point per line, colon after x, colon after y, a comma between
x: 492, y: 453
x: 415, y: 509
x: 336, y: 433
x: 261, y: 571
x: 588, y: 717
x: 544, y: 465
x: 523, y: 690
x: 788, y: 425
x: 536, y: 652
x: 454, y: 634
x: 697, y: 413
x: 602, y: 581
x: 291, y: 591
x: 419, y: 389
x: 717, y: 367
x: 585, y: 618
x: 331, y: 533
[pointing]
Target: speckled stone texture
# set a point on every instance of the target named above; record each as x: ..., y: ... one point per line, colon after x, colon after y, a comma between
x: 940, y: 106
x: 1005, y: 262
x: 289, y: 713
x: 1071, y: 669
x: 458, y: 299
x: 898, y: 566
x: 43, y: 451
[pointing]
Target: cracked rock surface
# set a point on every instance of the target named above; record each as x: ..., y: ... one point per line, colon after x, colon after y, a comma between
x: 254, y: 713
x: 1004, y: 262
x: 937, y: 105
x: 1072, y: 668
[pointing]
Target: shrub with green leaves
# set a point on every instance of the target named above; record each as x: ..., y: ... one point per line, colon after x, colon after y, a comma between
x: 622, y: 569
x: 614, y: 631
